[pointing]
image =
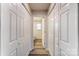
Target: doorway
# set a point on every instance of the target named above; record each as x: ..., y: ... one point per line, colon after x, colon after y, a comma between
x: 37, y: 32
x: 38, y: 35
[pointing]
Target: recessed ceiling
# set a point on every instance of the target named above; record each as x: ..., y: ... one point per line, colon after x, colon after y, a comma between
x: 39, y: 6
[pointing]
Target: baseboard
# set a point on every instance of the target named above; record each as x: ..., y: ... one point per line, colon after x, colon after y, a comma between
x: 51, y: 53
x: 28, y: 51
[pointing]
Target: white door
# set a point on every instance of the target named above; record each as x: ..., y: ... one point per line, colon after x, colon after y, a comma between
x: 12, y: 25
x: 68, y: 29
x: 16, y: 38
x: 8, y: 29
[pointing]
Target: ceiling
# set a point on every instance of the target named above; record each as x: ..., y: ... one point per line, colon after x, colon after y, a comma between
x: 39, y: 6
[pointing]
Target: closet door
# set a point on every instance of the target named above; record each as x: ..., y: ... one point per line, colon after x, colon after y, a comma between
x: 68, y: 29
x: 8, y: 29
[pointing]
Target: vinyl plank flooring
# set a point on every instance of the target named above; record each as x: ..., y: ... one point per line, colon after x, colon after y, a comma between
x: 38, y: 49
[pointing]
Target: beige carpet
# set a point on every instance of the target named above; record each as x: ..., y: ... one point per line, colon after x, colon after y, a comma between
x: 38, y: 49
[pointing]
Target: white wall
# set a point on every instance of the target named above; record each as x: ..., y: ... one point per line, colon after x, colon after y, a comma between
x: 51, y: 33
x: 16, y: 30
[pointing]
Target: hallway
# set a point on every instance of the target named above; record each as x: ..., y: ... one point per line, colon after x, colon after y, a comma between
x: 39, y: 29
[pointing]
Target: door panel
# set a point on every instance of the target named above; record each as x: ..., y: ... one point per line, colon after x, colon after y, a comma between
x: 16, y: 30
x: 20, y: 31
x: 20, y: 37
x: 12, y: 41
x: 13, y: 53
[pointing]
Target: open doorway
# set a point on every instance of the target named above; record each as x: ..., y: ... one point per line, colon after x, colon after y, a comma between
x: 39, y: 37
x: 37, y: 32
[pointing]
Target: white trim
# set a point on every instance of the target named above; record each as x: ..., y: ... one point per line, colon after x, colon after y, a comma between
x: 0, y: 29
x: 43, y: 32
x: 51, y: 7
x: 50, y: 52
x: 26, y: 6
x: 27, y: 52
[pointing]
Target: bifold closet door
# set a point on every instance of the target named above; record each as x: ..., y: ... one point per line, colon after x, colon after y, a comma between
x: 16, y: 30
x: 11, y: 30
x: 8, y: 29
x: 68, y: 29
